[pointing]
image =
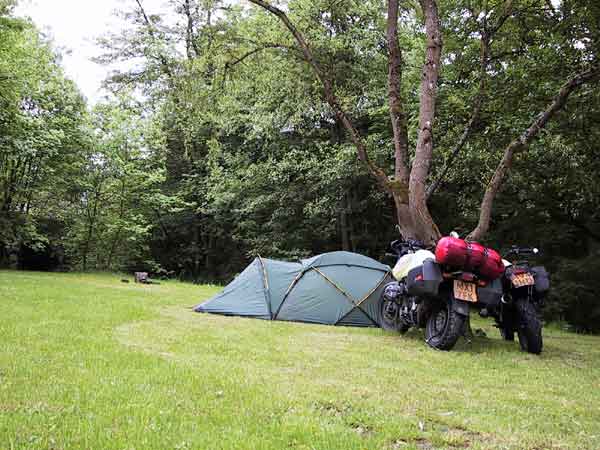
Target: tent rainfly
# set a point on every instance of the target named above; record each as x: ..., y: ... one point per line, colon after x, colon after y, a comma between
x: 338, y: 288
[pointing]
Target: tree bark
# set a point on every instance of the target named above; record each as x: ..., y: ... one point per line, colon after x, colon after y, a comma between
x: 192, y: 49
x: 344, y: 228
x: 425, y: 227
x: 117, y: 236
x: 485, y: 40
x: 399, y: 124
x: 397, y: 116
x: 522, y: 142
x: 92, y: 216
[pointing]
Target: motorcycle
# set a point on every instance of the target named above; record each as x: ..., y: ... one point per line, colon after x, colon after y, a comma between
x: 437, y: 291
x: 423, y: 296
x: 524, y: 289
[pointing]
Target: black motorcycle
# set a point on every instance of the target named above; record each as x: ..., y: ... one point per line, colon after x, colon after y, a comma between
x: 423, y: 296
x: 524, y: 289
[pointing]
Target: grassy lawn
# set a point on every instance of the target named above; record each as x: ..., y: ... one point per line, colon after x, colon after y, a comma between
x: 89, y: 362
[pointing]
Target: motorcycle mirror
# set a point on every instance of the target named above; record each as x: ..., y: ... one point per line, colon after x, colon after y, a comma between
x: 454, y: 234
x: 535, y: 251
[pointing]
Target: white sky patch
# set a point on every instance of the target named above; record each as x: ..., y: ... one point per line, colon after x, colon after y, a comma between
x: 74, y: 25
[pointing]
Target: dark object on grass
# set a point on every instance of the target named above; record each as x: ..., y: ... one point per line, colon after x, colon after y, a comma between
x: 339, y: 288
x: 124, y: 280
x: 142, y: 277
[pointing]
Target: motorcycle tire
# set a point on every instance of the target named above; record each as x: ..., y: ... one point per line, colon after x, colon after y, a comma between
x: 388, y: 322
x: 444, y: 327
x: 530, y: 328
x: 507, y: 331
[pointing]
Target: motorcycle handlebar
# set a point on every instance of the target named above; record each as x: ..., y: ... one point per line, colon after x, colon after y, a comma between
x: 401, y: 246
x: 523, y: 251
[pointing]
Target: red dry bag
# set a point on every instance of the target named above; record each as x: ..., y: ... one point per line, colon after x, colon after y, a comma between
x: 469, y: 256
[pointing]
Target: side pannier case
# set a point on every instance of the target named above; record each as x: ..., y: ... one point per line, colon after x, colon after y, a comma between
x: 542, y: 279
x: 424, y: 280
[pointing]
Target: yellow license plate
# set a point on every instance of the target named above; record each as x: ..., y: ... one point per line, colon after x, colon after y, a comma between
x: 522, y: 279
x: 465, y: 291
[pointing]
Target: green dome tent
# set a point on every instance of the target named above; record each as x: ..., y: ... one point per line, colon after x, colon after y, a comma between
x: 338, y: 288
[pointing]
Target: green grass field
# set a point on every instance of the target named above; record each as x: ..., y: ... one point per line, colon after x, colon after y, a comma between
x: 88, y: 362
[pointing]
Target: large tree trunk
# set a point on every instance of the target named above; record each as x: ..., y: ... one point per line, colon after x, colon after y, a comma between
x: 425, y: 227
x: 521, y: 143
x: 397, y: 116
x: 399, y: 188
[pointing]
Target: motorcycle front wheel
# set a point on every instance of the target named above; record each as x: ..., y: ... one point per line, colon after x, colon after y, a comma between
x: 530, y: 327
x: 444, y: 327
x: 389, y: 311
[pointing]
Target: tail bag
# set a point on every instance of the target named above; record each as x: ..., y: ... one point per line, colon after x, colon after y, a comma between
x: 469, y: 256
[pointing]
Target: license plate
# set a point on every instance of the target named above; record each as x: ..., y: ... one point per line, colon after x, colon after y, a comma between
x: 522, y: 279
x: 465, y: 291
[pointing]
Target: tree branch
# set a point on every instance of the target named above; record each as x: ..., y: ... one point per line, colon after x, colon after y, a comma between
x: 361, y: 148
x: 486, y: 37
x: 240, y: 59
x: 151, y: 31
x: 190, y: 40
x: 522, y: 142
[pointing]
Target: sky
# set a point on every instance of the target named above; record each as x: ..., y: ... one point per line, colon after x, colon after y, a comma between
x: 73, y: 25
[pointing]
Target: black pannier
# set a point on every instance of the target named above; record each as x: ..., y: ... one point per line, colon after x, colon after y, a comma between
x: 491, y: 293
x: 425, y: 279
x: 542, y: 279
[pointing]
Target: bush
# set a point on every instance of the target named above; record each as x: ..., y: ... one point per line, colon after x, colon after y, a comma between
x: 574, y: 295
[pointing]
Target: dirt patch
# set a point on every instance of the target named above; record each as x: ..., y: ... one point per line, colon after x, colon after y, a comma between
x: 423, y: 444
x: 330, y: 408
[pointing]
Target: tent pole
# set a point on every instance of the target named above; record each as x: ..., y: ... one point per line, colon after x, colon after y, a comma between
x: 266, y: 286
x: 369, y: 294
x: 289, y: 289
x: 374, y: 289
x: 350, y: 299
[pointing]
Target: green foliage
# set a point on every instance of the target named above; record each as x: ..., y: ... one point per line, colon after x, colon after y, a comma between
x: 110, y: 221
x: 41, y: 134
x: 575, y: 297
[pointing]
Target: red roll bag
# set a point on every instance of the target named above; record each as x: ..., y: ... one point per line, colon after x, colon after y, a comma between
x: 469, y: 256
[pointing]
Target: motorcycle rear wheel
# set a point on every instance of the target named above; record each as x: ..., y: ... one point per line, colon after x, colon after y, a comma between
x: 444, y: 327
x: 530, y: 328
x: 507, y: 332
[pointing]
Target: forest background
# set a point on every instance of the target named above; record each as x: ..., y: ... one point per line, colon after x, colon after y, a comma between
x: 221, y: 141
